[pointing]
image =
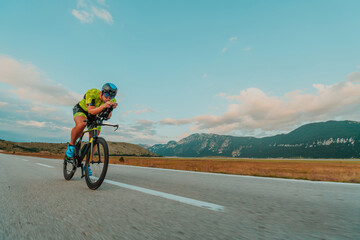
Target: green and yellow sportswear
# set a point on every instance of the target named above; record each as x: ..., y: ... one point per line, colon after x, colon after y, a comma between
x: 91, y: 98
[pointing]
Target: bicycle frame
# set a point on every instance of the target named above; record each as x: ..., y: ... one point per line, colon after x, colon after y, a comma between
x: 80, y: 153
x: 93, y: 131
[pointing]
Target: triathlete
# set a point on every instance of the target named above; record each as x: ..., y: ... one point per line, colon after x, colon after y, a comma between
x: 94, y: 102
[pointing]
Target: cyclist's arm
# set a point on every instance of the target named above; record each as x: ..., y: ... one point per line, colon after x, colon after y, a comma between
x: 95, y: 110
x: 113, y: 105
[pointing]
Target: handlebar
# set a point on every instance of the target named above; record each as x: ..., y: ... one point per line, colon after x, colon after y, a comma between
x: 106, y: 112
x: 100, y: 117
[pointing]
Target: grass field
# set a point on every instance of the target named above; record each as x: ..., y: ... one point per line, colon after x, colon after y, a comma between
x: 315, y: 170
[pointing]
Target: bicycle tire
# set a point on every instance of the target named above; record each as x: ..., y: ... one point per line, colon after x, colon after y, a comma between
x: 94, y: 182
x: 68, y: 172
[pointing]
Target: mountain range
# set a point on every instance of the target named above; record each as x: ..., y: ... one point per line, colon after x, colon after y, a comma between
x: 332, y: 139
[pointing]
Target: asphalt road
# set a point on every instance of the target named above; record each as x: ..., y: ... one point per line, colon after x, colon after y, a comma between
x: 36, y: 202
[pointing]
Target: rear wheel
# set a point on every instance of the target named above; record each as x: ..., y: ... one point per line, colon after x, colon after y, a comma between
x: 69, y: 168
x: 98, y: 163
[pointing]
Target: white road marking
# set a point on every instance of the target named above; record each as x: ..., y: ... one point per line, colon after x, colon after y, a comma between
x: 44, y: 165
x: 190, y: 201
x: 25, y: 160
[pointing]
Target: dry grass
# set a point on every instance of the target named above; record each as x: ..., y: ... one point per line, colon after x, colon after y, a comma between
x: 336, y: 171
x: 316, y: 170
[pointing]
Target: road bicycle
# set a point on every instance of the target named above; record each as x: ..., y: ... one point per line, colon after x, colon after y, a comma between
x: 96, y: 152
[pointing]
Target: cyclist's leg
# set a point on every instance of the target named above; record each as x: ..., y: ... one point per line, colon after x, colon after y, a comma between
x: 78, y: 129
x: 79, y: 116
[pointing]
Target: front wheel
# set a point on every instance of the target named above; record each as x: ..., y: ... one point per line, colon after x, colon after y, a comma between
x: 97, y: 163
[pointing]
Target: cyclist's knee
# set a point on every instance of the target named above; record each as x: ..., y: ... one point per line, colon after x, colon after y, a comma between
x: 81, y: 125
x: 79, y: 122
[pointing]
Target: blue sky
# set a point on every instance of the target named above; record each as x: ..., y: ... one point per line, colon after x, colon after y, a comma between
x: 253, y: 68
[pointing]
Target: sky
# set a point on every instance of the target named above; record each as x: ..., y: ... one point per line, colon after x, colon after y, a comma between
x: 242, y: 68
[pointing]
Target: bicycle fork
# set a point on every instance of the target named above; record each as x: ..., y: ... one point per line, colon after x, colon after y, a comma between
x: 86, y: 148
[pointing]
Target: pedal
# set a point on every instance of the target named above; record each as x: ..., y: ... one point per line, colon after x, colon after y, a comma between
x: 69, y: 160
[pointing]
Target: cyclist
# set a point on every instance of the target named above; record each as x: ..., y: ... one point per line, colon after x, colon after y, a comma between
x: 94, y: 102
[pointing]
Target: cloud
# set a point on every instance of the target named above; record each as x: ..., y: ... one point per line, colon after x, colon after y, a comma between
x: 3, y: 104
x: 222, y: 94
x: 231, y: 41
x: 253, y: 110
x: 39, y: 124
x: 39, y: 109
x: 30, y: 84
x: 83, y: 16
x: 143, y: 111
x: 87, y: 10
x: 353, y: 77
x: 138, y: 112
x: 143, y: 131
x: 33, y: 123
x: 126, y: 113
x: 145, y: 126
x: 175, y: 122
x: 103, y: 14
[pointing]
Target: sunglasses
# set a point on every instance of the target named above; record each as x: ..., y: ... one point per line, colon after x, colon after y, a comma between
x: 108, y: 95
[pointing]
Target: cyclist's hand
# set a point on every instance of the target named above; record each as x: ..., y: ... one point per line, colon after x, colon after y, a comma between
x: 113, y: 105
x: 107, y: 104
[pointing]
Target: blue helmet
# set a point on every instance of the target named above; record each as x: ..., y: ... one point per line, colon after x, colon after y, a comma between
x: 109, y: 88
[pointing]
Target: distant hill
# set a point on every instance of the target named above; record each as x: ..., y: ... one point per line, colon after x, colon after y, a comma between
x: 115, y: 148
x: 332, y: 139
x: 146, y: 146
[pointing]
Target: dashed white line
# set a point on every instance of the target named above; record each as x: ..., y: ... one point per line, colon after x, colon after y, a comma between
x: 25, y: 160
x: 44, y: 165
x: 189, y: 201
